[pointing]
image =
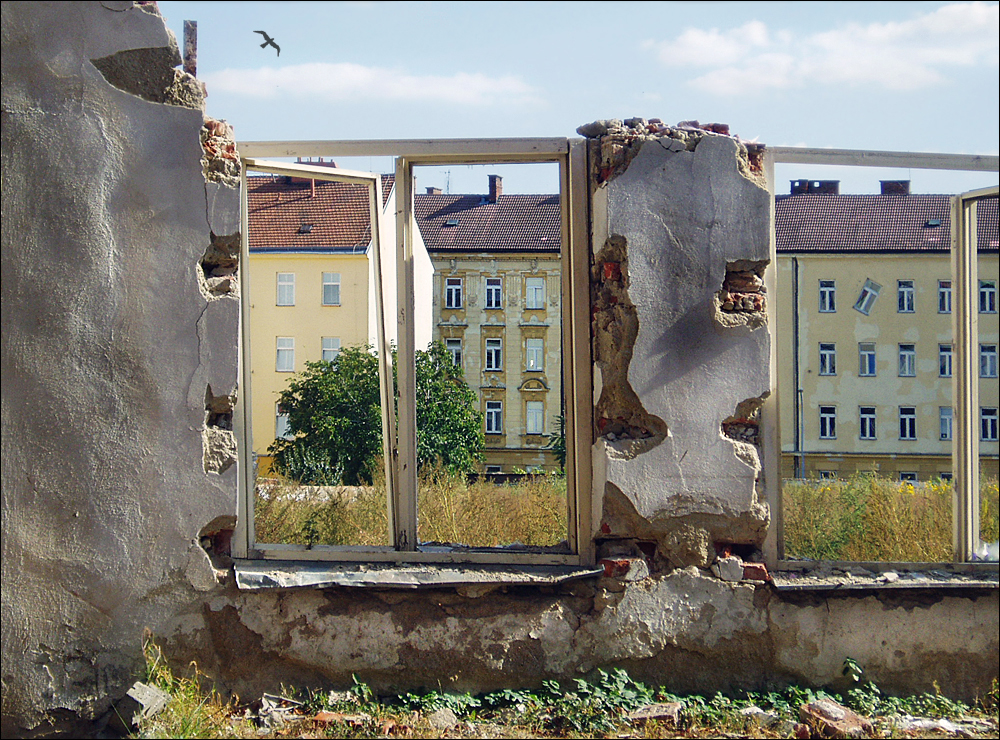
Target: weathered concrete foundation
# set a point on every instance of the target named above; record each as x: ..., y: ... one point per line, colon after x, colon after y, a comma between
x: 120, y: 320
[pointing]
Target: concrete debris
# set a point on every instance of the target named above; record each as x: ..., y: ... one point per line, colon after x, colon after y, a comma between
x: 150, y: 75
x: 728, y: 569
x: 667, y: 712
x: 827, y: 718
x: 220, y: 160
x: 763, y: 718
x: 142, y: 701
x: 443, y: 719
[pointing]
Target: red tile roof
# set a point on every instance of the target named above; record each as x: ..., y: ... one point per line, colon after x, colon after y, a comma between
x: 514, y: 223
x: 874, y: 223
x: 338, y: 214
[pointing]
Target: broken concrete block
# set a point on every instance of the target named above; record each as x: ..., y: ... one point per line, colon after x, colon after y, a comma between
x: 830, y: 719
x: 140, y: 702
x: 729, y: 569
x: 755, y: 572
x: 627, y: 569
x: 669, y: 712
x: 443, y: 720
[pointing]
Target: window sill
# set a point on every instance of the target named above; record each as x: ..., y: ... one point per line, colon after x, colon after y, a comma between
x: 258, y: 575
x: 792, y: 576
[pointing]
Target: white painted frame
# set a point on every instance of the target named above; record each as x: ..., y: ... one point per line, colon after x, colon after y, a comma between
x: 965, y: 385
x: 401, y: 472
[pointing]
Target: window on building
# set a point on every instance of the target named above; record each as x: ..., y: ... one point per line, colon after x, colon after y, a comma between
x: 869, y: 294
x: 907, y: 422
x: 827, y: 474
x: 944, y: 296
x: 944, y: 360
x: 988, y: 424
x: 454, y: 347
x: 535, y: 417
x: 494, y: 417
x: 453, y: 292
x: 907, y: 360
x: 907, y: 477
x: 494, y: 292
x: 331, y: 348
x: 534, y: 295
x: 866, y: 416
x: 987, y: 296
x: 494, y: 354
x: 493, y: 469
x: 282, y: 424
x: 285, y: 358
x: 331, y: 288
x: 987, y: 361
x: 286, y: 289
x: 827, y: 359
x: 906, y: 296
x: 827, y: 296
x: 534, y: 354
x: 866, y: 359
x: 946, y: 419
x: 827, y: 422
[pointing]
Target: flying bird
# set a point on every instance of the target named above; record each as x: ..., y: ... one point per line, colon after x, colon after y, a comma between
x: 268, y: 41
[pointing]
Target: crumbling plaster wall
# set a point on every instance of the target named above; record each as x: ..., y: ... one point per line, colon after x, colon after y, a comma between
x: 118, y: 372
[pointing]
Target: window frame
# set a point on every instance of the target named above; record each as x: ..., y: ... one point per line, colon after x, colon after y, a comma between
x: 827, y: 422
x: 323, y: 349
x: 534, y: 357
x: 534, y: 411
x: 284, y: 287
x: 493, y: 417
x: 867, y: 421
x: 534, y: 291
x: 493, y: 354
x: 331, y: 282
x: 864, y: 354
x: 450, y: 344
x: 454, y: 293
x: 987, y: 360
x: 946, y: 423
x: 906, y: 296
x: 870, y: 292
x: 280, y: 367
x: 493, y: 293
x: 907, y: 416
x: 281, y: 418
x: 965, y: 387
x: 827, y: 296
x: 944, y: 296
x: 400, y: 440
x: 988, y: 424
x: 827, y: 358
x: 946, y: 361
x: 987, y: 296
x: 907, y: 360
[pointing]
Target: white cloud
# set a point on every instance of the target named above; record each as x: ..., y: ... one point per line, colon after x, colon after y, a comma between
x: 904, y: 55
x: 343, y: 82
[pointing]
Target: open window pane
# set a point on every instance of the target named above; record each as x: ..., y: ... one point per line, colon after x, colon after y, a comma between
x: 317, y: 402
x: 867, y: 453
x: 489, y: 386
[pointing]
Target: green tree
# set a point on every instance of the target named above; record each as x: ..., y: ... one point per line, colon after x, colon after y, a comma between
x: 558, y: 442
x: 334, y: 415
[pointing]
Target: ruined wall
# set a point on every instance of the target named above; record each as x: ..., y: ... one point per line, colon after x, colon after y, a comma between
x: 119, y: 326
x: 119, y: 349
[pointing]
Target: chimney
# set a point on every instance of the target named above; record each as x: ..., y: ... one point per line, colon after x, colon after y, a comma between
x: 496, y: 188
x: 895, y: 187
x: 815, y: 187
x: 431, y: 190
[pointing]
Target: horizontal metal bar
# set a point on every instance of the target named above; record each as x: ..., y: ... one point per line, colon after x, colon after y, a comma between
x: 491, y: 150
x: 334, y: 174
x: 864, y: 158
x: 388, y: 555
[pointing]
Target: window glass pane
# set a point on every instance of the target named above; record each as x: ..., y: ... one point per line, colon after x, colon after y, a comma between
x: 944, y: 296
x: 827, y: 296
x: 866, y: 359
x: 944, y: 360
x: 500, y: 264
x: 331, y: 288
x: 331, y: 348
x: 286, y: 289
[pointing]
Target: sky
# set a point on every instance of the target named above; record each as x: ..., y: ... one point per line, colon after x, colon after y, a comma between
x: 896, y: 76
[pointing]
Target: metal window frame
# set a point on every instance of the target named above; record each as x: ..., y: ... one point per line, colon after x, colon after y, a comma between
x: 964, y: 386
x: 572, y: 159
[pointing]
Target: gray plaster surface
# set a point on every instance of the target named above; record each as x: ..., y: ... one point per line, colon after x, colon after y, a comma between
x: 107, y: 349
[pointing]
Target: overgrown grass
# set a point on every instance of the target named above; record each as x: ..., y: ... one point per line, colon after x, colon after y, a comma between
x: 578, y: 708
x: 531, y: 511
x: 869, y: 518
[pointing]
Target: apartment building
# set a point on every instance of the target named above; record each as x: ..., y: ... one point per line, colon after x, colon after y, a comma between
x: 864, y: 331
x: 497, y: 304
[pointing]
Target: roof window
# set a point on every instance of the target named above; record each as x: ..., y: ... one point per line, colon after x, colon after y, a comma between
x: 451, y: 222
x: 932, y: 222
x: 305, y: 228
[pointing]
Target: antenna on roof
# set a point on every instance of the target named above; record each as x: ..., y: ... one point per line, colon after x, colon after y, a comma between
x: 447, y: 182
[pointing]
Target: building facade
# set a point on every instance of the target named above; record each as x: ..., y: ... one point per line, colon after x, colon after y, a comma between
x: 497, y: 307
x: 864, y: 331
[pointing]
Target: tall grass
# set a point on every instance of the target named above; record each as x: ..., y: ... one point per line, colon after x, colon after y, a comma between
x: 531, y: 511
x: 868, y: 518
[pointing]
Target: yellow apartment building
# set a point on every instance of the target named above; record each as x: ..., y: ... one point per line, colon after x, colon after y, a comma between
x: 497, y: 308
x: 312, y: 283
x: 864, y: 332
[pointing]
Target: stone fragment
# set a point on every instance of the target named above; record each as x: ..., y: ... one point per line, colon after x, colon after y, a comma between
x: 830, y: 719
x: 443, y: 719
x: 598, y: 128
x: 140, y: 702
x: 729, y: 569
x: 755, y: 572
x: 669, y: 712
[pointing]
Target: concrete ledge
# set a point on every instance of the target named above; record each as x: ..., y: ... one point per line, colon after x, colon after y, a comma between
x: 258, y: 575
